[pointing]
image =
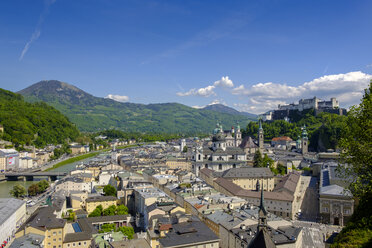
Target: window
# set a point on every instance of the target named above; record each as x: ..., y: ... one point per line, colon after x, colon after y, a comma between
x: 220, y: 166
x: 85, y: 243
x: 79, y: 243
x: 206, y: 165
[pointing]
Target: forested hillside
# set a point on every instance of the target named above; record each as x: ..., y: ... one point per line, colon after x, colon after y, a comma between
x: 324, y: 130
x: 33, y: 123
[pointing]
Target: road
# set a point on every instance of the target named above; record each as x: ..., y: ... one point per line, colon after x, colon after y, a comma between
x: 310, y: 202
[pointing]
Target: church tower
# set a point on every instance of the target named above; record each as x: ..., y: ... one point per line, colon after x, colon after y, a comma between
x: 238, y: 136
x: 305, y: 141
x: 262, y: 237
x: 260, y: 136
x: 262, y: 213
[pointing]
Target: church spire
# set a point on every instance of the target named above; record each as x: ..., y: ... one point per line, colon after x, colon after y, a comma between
x: 262, y: 213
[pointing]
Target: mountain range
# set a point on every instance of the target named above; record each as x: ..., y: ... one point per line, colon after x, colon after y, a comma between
x: 91, y: 113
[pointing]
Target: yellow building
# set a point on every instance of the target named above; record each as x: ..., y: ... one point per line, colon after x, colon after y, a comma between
x: 92, y: 202
x: 178, y: 163
x: 245, y: 177
x: 45, y: 223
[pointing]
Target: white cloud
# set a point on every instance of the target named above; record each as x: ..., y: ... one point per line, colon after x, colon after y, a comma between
x: 224, y: 82
x: 204, y: 92
x: 216, y: 101
x: 208, y: 91
x: 118, y: 98
x: 347, y: 88
x: 36, y: 34
x: 369, y: 66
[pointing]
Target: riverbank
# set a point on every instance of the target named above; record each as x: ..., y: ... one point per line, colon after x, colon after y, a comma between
x: 72, y: 160
x: 85, y: 156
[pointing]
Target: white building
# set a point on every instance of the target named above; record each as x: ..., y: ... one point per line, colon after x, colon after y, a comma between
x: 12, y: 216
x: 26, y: 163
x: 73, y: 184
x: 9, y: 159
x: 312, y: 103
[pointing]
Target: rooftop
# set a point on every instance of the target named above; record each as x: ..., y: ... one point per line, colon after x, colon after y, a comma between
x: 8, y: 206
x: 188, y: 233
x: 101, y: 198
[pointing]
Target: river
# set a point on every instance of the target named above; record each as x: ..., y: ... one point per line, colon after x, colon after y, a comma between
x: 6, y: 186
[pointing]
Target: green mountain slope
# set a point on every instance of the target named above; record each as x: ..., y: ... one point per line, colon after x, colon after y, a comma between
x: 33, y: 123
x: 92, y: 113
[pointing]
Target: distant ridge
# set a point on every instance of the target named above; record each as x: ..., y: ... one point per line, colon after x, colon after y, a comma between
x: 228, y: 110
x: 92, y: 113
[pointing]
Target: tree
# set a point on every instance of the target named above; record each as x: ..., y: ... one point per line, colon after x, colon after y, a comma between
x: 121, y: 210
x: 43, y: 185
x: 107, y: 228
x: 111, y: 210
x: 184, y: 149
x: 109, y: 190
x: 356, y: 145
x: 127, y: 231
x: 33, y: 190
x: 266, y: 161
x: 96, y: 212
x: 18, y: 191
x: 257, y: 160
x: 72, y: 216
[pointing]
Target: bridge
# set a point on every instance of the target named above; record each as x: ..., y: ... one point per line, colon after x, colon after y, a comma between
x: 29, y: 176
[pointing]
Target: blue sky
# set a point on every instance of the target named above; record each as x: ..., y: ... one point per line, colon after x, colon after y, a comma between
x: 251, y: 55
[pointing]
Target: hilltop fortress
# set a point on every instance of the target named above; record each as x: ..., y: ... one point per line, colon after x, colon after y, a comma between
x: 318, y: 105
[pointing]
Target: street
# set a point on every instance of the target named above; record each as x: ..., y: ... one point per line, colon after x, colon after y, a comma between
x: 310, y: 203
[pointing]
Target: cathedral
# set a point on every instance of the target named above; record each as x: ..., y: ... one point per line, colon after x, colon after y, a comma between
x: 224, y: 153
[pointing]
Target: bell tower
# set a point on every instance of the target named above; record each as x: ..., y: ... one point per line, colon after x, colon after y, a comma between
x: 260, y: 136
x: 304, y: 141
x: 238, y: 135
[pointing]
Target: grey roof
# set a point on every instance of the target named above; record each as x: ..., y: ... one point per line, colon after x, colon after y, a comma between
x: 134, y: 243
x: 229, y: 151
x: 8, y: 206
x: 248, y: 172
x: 79, y: 236
x: 101, y: 198
x: 334, y: 190
x: 247, y: 142
x: 289, y: 182
x: 30, y: 240
x: 109, y: 218
x: 219, y: 217
x: 44, y: 218
x: 187, y: 234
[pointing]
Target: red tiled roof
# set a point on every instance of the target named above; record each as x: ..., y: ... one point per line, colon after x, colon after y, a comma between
x: 285, y: 138
x: 165, y: 227
x: 197, y: 206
